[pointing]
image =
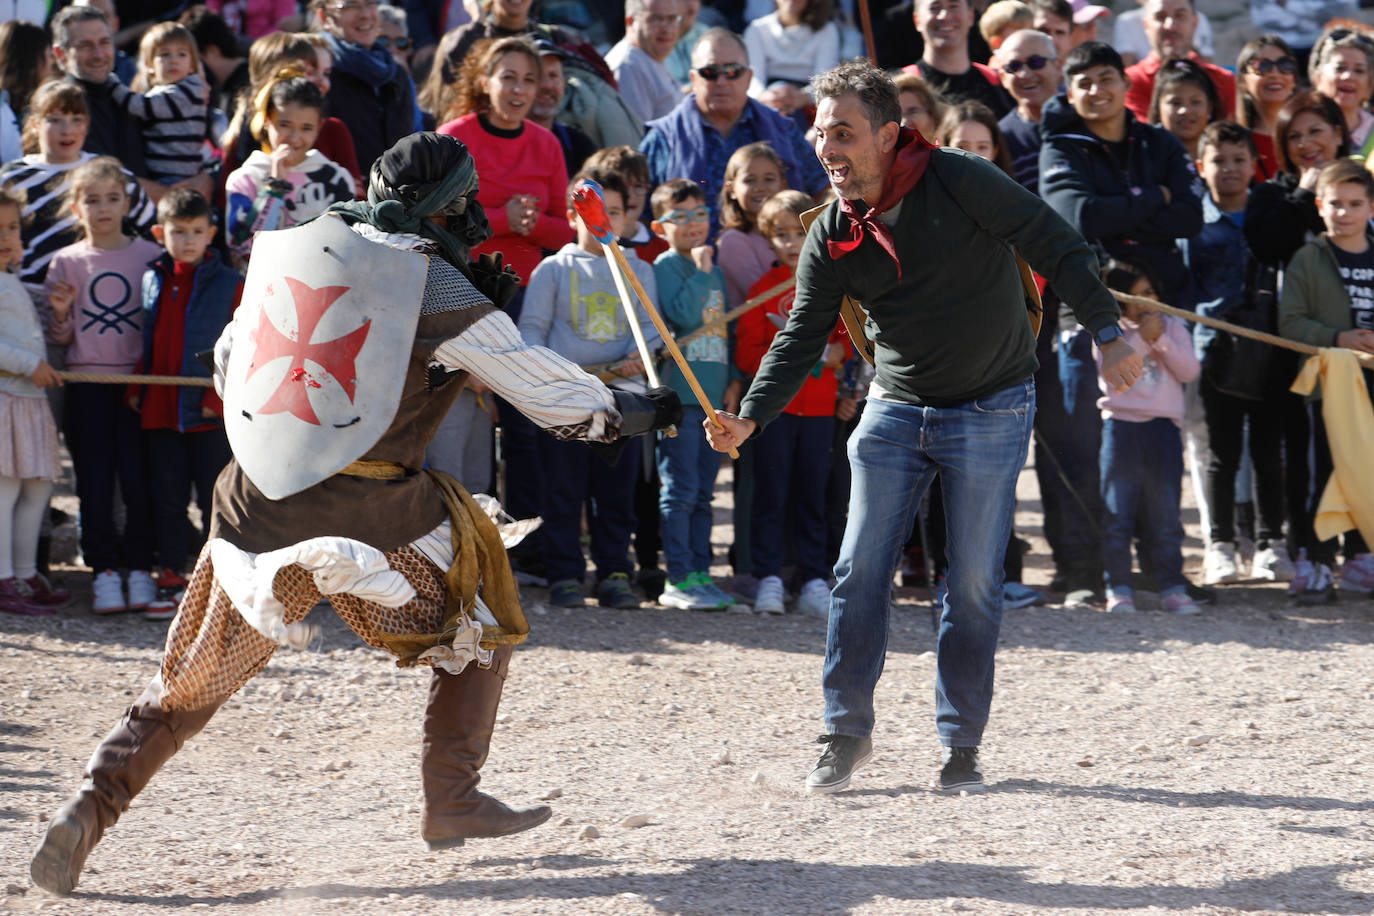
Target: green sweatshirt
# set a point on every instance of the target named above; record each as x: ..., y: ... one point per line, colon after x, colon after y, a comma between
x: 954, y: 327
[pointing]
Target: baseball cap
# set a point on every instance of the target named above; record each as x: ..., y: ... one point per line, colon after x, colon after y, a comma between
x: 1085, y: 12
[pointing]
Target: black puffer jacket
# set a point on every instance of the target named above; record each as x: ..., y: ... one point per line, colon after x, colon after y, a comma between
x: 1121, y: 207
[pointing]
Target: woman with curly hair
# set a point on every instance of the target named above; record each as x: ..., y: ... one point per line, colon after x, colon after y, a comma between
x: 521, y: 163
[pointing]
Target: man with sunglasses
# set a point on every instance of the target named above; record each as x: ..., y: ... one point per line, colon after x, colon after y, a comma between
x: 1170, y: 27
x: 696, y: 139
x: 651, y: 33
x: 1028, y: 66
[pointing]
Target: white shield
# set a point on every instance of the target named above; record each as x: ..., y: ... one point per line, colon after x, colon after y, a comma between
x: 320, y: 346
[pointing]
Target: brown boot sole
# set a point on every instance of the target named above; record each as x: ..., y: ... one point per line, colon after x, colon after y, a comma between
x: 538, y: 816
x: 52, y: 866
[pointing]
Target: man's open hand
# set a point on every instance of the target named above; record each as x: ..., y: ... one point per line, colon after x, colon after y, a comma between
x: 1121, y: 365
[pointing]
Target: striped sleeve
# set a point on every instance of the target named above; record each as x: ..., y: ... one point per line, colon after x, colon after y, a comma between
x: 550, y: 390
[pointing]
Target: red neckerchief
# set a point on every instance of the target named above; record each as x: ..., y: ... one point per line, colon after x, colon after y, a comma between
x: 913, y: 155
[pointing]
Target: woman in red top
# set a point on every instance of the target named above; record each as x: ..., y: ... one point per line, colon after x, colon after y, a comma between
x: 1267, y: 76
x: 524, y: 179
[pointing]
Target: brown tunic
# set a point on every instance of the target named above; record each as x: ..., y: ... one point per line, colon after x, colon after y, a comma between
x: 387, y: 514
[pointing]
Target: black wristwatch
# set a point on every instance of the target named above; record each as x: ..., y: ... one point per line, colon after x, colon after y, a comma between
x: 1108, y: 334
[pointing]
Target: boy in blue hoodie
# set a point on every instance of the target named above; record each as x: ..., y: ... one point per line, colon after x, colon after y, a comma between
x: 692, y: 291
x: 572, y: 307
x: 189, y: 295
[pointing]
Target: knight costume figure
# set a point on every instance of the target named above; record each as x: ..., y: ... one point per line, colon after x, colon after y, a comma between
x: 382, y: 316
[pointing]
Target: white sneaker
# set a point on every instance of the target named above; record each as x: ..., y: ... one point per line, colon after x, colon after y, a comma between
x: 685, y: 597
x: 769, y: 599
x: 142, y: 589
x: 815, y: 599
x: 1272, y: 563
x: 107, y: 593
x: 1220, y: 565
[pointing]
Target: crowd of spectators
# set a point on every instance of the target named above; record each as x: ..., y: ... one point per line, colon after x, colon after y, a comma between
x: 144, y: 153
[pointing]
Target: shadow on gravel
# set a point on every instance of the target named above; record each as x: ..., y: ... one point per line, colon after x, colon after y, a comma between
x: 713, y: 886
x: 1172, y: 799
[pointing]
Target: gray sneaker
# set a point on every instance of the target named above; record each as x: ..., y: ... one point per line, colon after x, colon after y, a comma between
x: 843, y: 755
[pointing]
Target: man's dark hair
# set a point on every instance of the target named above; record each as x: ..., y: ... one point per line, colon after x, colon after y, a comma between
x: 184, y: 203
x: 609, y: 181
x: 876, y: 92
x: 1219, y: 132
x: 211, y: 31
x: 69, y: 16
x: 1092, y: 54
x: 1060, y: 9
x: 671, y: 193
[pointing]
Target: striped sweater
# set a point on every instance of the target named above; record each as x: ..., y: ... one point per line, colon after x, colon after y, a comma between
x: 173, y: 122
x: 49, y: 223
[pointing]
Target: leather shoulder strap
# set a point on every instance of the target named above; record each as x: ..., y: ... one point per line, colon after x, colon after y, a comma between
x: 851, y: 312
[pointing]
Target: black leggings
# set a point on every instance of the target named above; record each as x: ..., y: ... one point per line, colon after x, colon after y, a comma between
x: 1226, y: 416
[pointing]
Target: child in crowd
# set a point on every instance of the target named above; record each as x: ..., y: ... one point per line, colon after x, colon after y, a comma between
x: 1239, y: 390
x: 174, y: 110
x: 288, y: 181
x: 753, y: 174
x: 1328, y: 300
x: 53, y: 136
x: 1185, y: 101
x: 921, y: 105
x: 633, y: 166
x: 692, y: 291
x: 29, y: 460
x: 189, y: 295
x: 93, y: 296
x: 1002, y: 18
x: 1142, y: 450
x: 572, y: 307
x: 792, y: 454
x: 972, y: 126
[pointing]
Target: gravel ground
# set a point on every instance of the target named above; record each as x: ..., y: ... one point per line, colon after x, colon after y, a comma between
x: 1215, y: 764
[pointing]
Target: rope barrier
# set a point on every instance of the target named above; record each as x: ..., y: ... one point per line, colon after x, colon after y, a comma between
x: 607, y: 370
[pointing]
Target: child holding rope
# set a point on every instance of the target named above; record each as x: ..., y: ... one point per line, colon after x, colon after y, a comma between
x: 1328, y: 300
x: 1142, y: 450
x: 28, y: 436
x: 93, y: 293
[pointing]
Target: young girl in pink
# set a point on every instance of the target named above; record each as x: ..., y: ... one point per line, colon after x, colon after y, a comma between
x: 753, y: 174
x: 94, y: 292
x: 28, y: 436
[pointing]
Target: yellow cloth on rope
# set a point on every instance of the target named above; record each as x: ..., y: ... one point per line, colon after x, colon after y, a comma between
x: 479, y: 560
x: 1348, y: 500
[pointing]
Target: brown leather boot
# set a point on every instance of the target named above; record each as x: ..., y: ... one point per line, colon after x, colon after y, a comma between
x: 458, y: 725
x: 121, y: 766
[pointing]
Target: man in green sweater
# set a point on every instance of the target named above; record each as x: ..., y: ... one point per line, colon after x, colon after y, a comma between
x: 931, y: 258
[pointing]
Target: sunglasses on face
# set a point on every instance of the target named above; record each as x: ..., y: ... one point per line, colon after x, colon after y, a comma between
x: 683, y: 217
x: 731, y: 72
x: 353, y: 6
x: 401, y: 43
x: 1285, y: 65
x: 1034, y: 62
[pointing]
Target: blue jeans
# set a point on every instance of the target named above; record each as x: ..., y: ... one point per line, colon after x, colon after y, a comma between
x: 1077, y: 446
x: 687, y: 469
x: 1142, y: 473
x: 978, y: 449
x: 791, y: 464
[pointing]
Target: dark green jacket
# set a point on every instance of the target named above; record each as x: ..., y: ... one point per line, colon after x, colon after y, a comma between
x: 954, y: 327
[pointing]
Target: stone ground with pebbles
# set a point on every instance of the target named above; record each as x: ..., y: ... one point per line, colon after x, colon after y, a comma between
x: 1217, y: 764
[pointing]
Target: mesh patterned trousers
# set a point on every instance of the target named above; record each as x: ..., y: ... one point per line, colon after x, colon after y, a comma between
x: 212, y: 651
